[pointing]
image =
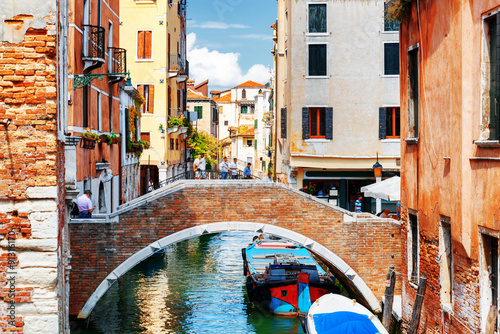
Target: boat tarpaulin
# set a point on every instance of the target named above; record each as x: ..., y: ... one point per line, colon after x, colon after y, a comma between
x: 343, y: 323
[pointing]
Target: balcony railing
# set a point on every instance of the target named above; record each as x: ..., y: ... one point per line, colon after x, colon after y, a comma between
x: 93, y: 46
x: 118, y: 67
x: 176, y: 63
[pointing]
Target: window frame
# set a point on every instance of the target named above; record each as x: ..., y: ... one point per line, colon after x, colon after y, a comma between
x: 413, y: 104
x: 446, y: 274
x: 148, y: 97
x: 246, y: 110
x: 387, y: 21
x: 318, y: 122
x: 486, y: 270
x: 137, y: 59
x: 326, y: 23
x: 199, y: 110
x: 309, y: 76
x: 385, y: 57
x: 489, y: 132
x: 393, y: 123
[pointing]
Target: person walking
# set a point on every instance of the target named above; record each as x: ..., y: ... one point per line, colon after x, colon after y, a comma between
x: 268, y: 177
x: 247, y: 173
x: 234, y: 169
x: 85, y: 206
x: 203, y: 166
x: 224, y: 169
x: 357, y: 204
x: 196, y: 165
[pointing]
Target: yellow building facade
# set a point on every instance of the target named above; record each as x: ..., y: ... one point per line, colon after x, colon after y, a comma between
x: 154, y: 33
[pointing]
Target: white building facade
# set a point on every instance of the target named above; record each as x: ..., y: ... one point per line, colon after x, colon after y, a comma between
x: 337, y: 96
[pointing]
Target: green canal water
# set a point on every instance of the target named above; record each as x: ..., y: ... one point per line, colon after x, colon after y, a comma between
x: 197, y: 287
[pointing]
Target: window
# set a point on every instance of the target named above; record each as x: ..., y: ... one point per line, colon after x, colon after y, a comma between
x: 317, y: 18
x: 283, y: 123
x: 85, y: 106
x: 389, y: 123
x: 249, y: 142
x: 446, y: 261
x: 148, y: 92
x: 244, y: 94
x: 110, y: 45
x: 413, y: 247
x: 144, y: 44
x: 255, y: 124
x: 146, y: 136
x: 255, y: 144
x: 317, y: 123
x: 244, y: 109
x: 413, y: 93
x: 199, y: 111
x: 317, y: 60
x: 110, y: 110
x: 171, y: 143
x: 176, y: 143
x: 488, y: 273
x: 389, y: 25
x: 391, y: 58
x: 99, y: 111
x: 493, y: 35
x: 226, y: 123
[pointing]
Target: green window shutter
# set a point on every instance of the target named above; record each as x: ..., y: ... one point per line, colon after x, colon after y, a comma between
x: 244, y: 109
x: 283, y: 122
x: 255, y: 143
x: 199, y: 111
x: 381, y: 123
x: 305, y: 123
x: 256, y: 123
x: 328, y: 123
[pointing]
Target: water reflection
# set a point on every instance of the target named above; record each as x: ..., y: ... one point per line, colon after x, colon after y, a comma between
x: 198, y: 287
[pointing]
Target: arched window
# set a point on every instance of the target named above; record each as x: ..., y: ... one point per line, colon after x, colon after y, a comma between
x: 102, y: 199
x: 243, y: 94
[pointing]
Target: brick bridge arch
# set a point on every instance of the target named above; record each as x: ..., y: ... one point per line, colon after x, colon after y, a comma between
x: 358, y: 248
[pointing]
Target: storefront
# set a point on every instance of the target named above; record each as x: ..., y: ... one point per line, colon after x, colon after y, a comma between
x: 342, y: 188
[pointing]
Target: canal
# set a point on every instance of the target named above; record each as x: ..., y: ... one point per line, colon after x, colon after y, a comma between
x: 196, y: 287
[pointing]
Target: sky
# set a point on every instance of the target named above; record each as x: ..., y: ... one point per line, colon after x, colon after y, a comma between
x: 230, y: 41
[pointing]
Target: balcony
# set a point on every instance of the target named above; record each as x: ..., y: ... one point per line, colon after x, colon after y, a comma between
x: 93, y: 47
x: 178, y: 66
x: 118, y: 67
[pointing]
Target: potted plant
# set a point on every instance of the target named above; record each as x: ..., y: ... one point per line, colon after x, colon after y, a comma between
x: 104, y: 138
x: 174, y: 123
x: 89, y: 139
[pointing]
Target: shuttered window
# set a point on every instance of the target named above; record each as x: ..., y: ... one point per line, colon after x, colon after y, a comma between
x: 317, y: 60
x: 199, y: 111
x: 413, y: 93
x: 144, y: 44
x: 494, y: 39
x: 389, y: 123
x: 389, y: 25
x: 148, y: 92
x: 317, y: 18
x: 283, y: 122
x: 317, y: 123
x: 146, y: 136
x: 391, y: 58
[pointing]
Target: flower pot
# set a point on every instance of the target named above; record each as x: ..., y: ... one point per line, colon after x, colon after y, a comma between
x: 88, y: 143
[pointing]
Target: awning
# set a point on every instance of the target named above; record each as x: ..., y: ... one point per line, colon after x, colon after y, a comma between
x: 389, y: 189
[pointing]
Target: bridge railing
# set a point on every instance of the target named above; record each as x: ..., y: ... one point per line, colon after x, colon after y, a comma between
x: 209, y: 175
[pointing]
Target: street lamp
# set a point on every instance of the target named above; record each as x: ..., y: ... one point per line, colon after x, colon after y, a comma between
x: 377, y: 171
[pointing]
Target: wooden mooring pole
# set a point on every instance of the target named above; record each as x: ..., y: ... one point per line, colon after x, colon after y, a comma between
x: 417, y: 307
x: 389, y: 298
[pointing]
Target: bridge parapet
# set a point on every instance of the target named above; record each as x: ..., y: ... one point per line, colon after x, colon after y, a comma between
x: 358, y: 247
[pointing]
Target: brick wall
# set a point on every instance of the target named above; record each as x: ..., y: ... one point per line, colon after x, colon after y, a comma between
x: 28, y: 181
x: 369, y: 247
x: 466, y: 314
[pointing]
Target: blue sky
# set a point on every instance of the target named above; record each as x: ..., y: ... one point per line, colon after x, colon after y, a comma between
x: 230, y: 41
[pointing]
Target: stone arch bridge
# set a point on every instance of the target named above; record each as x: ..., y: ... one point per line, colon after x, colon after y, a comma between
x: 358, y: 248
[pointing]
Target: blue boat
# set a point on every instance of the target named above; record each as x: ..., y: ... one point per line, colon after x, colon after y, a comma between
x: 284, y: 278
x: 336, y: 314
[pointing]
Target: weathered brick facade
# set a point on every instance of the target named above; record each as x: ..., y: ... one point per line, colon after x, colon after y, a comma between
x: 28, y: 175
x: 369, y: 246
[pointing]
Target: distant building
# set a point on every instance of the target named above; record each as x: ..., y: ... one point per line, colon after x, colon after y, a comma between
x: 450, y: 131
x: 205, y: 110
x: 154, y: 32
x: 336, y: 96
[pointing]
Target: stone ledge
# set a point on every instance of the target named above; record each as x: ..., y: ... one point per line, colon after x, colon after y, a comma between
x: 41, y: 192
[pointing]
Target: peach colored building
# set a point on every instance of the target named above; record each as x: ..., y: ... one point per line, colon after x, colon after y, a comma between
x: 450, y: 170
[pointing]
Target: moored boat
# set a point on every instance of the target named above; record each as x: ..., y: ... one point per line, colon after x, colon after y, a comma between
x: 336, y: 314
x: 284, y: 277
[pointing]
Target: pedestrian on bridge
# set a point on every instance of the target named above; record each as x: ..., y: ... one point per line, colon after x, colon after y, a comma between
x: 234, y: 169
x: 196, y: 165
x: 224, y: 169
x: 203, y: 165
x: 247, y: 173
x: 85, y: 206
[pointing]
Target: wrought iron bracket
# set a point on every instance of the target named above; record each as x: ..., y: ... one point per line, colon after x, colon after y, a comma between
x: 82, y: 80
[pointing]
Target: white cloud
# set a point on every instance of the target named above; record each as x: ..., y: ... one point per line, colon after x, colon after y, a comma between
x: 222, y: 69
x: 216, y: 25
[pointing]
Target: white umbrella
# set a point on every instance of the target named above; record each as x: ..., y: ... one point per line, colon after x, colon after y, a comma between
x: 389, y: 189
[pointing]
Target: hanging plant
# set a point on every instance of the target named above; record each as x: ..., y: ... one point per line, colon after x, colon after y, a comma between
x: 398, y: 10
x: 90, y: 135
